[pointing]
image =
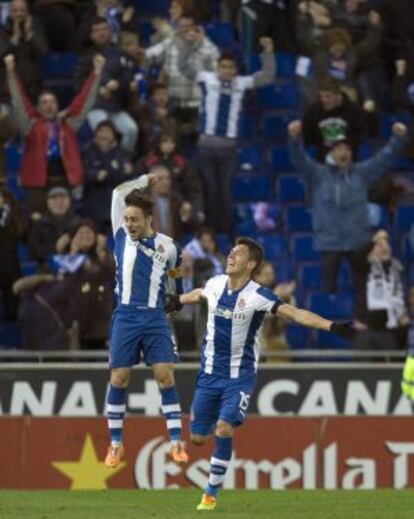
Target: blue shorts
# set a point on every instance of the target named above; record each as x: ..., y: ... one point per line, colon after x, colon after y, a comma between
x: 140, y: 332
x: 217, y: 398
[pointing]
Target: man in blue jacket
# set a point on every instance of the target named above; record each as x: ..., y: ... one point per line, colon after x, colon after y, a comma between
x: 339, y: 190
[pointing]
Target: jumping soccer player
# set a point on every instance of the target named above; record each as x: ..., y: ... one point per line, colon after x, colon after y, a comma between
x: 237, y: 306
x: 146, y: 261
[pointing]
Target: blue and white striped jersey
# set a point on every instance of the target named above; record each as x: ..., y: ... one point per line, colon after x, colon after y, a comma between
x: 222, y: 103
x: 146, y: 268
x: 232, y: 342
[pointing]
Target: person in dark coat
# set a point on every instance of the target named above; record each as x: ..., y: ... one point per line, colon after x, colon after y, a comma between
x: 339, y: 197
x: 106, y: 166
x: 10, y: 232
x: 44, y: 233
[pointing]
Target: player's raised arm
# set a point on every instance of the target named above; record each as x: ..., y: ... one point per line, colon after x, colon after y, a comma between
x: 119, y: 194
x: 193, y: 297
x: 312, y: 320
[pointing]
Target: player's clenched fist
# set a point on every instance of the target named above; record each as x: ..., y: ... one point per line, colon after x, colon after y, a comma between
x: 295, y: 128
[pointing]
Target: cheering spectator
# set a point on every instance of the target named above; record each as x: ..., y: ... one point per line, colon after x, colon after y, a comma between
x: 117, y: 16
x: 335, y: 118
x: 110, y: 103
x: 10, y: 232
x: 172, y: 215
x: 51, y: 156
x: 44, y: 232
x: 164, y: 28
x: 185, y: 180
x: 182, y: 56
x: 21, y: 37
x: 339, y: 197
x: 7, y: 132
x: 71, y: 309
x: 381, y: 312
x: 153, y: 117
x: 220, y: 112
x: 59, y: 20
x: 106, y: 166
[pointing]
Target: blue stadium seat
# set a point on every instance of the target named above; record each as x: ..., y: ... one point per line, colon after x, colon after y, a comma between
x: 407, y: 254
x: 250, y: 158
x: 251, y: 189
x: 13, y: 157
x: 285, y: 62
x: 14, y: 188
x: 244, y: 223
x: 404, y: 217
x: 59, y: 65
x: 290, y: 188
x: 145, y: 31
x: 310, y: 276
x: 274, y: 127
x: 28, y: 268
x: 274, y: 246
x: 223, y: 243
x: 247, y: 128
x: 10, y: 335
x: 330, y: 341
x: 23, y: 252
x: 298, y: 218
x: 278, y: 97
x: 221, y: 33
x: 332, y: 306
x: 151, y: 7
x: 279, y: 159
x: 302, y: 248
x: 298, y: 337
x: 284, y: 270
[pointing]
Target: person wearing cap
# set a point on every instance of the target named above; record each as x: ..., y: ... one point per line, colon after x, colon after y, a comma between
x: 44, y: 232
x: 339, y: 190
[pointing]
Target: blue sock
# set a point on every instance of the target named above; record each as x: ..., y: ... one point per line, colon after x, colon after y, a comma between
x: 172, y: 411
x: 218, y: 464
x: 115, y: 412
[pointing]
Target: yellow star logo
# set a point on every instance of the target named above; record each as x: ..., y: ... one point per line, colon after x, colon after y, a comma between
x: 88, y: 473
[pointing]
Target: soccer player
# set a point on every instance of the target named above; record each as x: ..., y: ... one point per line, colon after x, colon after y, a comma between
x: 146, y: 262
x: 237, y: 306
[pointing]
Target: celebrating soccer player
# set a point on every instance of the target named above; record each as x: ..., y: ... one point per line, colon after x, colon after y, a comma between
x: 237, y: 306
x: 146, y: 260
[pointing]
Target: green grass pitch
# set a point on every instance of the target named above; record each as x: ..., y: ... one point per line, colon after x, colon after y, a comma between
x: 170, y: 504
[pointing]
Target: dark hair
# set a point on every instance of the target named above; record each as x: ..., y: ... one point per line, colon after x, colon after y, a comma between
x: 205, y: 230
x: 47, y: 92
x: 227, y: 56
x: 107, y: 124
x: 156, y: 86
x: 98, y: 20
x: 336, y: 35
x: 328, y: 84
x: 255, y: 251
x: 136, y: 199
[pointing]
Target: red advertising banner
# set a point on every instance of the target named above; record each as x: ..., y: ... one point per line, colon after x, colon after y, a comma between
x: 277, y: 453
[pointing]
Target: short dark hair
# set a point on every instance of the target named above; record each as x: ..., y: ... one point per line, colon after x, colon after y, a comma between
x: 136, y: 199
x: 227, y: 56
x: 328, y: 84
x: 107, y: 124
x: 156, y: 86
x: 98, y: 20
x: 255, y: 251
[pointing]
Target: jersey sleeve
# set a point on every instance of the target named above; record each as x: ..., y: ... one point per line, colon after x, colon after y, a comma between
x: 175, y: 283
x: 118, y: 199
x: 203, y: 76
x: 246, y: 82
x: 209, y: 287
x: 268, y: 301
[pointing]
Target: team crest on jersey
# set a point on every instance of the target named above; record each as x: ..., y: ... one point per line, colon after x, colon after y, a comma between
x: 160, y: 249
x: 241, y: 304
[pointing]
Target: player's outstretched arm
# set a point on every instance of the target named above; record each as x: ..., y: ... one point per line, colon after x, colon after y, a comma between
x: 312, y: 320
x: 174, y: 302
x: 193, y: 297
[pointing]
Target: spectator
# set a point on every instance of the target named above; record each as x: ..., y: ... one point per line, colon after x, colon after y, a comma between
x: 59, y: 20
x: 220, y: 111
x: 403, y: 94
x: 334, y: 118
x: 164, y: 28
x: 23, y: 38
x: 114, y: 87
x: 45, y: 232
x: 343, y: 61
x: 7, y: 132
x: 172, y: 215
x: 185, y: 180
x: 381, y: 313
x: 339, y: 197
x: 118, y: 17
x: 71, y: 309
x: 153, y: 117
x: 202, y: 259
x: 273, y: 333
x: 189, y: 48
x: 11, y: 229
x: 106, y: 166
x: 51, y: 155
